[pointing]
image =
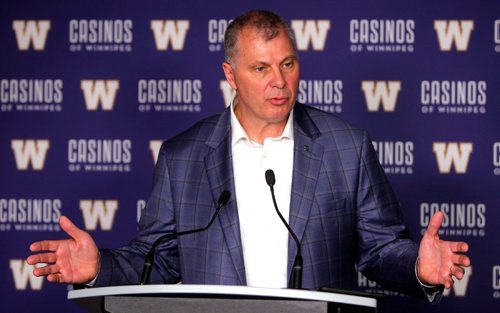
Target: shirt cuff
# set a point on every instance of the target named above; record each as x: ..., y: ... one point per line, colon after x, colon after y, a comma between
x: 432, y: 293
x: 91, y: 283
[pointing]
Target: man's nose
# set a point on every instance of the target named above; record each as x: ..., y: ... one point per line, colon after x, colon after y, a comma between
x: 278, y: 79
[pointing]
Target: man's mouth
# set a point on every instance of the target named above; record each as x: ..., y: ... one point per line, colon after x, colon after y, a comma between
x: 278, y: 100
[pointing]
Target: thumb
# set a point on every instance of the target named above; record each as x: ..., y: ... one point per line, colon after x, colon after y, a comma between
x: 71, y: 229
x: 435, y: 223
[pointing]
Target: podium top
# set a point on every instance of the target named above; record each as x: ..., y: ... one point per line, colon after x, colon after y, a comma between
x: 220, y: 291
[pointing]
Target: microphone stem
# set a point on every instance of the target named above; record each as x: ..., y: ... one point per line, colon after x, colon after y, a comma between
x: 297, y: 264
x: 148, y: 263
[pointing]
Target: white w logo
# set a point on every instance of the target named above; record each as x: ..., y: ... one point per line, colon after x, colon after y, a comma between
x: 31, y: 31
x: 310, y: 31
x: 453, y: 31
x: 460, y: 286
x: 169, y: 31
x: 23, y: 274
x: 26, y: 151
x: 227, y: 92
x: 99, y: 91
x: 102, y: 211
x: 154, y: 146
x: 377, y: 92
x: 454, y: 153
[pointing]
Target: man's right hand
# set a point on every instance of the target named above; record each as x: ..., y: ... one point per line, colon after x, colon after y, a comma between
x: 71, y: 261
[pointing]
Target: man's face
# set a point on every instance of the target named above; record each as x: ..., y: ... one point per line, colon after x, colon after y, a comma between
x: 265, y: 75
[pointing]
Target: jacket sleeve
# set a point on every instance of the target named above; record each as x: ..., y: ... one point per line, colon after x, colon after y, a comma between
x: 124, y: 265
x: 386, y: 253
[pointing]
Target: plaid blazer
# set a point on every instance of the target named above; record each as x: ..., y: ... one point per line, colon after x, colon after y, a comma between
x: 342, y: 209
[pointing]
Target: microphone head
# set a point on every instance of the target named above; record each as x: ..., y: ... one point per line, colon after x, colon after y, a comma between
x: 224, y: 197
x: 270, y: 180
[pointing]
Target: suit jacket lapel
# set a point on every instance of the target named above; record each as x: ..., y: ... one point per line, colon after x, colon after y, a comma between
x: 219, y: 168
x: 306, y: 166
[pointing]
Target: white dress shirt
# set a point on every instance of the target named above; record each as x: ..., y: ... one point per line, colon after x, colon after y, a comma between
x: 263, y: 235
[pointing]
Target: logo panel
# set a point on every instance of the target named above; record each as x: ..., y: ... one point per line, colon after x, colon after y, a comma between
x: 396, y: 157
x: 154, y: 146
x: 31, y: 32
x: 97, y: 92
x: 451, y: 32
x: 496, y: 39
x: 383, y: 93
x: 496, y: 281
x: 100, y: 35
x: 99, y: 155
x: 375, y: 36
x: 169, y: 95
x: 454, y: 154
x: 100, y: 212
x: 460, y: 286
x: 310, y: 32
x: 216, y: 32
x: 496, y: 158
x: 227, y: 92
x: 170, y: 33
x: 453, y: 96
x: 24, y: 214
x: 31, y: 95
x: 325, y: 95
x: 23, y: 276
x: 30, y: 151
x: 460, y: 219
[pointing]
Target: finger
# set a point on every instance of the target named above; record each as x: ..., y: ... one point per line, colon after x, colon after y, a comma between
x: 460, y: 260
x: 435, y: 224
x: 458, y: 272
x: 55, y: 278
x: 459, y: 246
x: 46, y: 245
x: 448, y: 282
x: 42, y: 258
x: 70, y: 228
x: 46, y: 270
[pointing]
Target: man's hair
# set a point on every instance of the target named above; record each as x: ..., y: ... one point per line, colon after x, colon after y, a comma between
x: 266, y: 23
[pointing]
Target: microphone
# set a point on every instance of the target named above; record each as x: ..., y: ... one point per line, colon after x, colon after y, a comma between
x: 148, y: 263
x: 297, y: 263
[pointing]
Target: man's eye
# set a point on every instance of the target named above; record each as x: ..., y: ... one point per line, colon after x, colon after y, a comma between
x: 260, y: 69
x: 288, y: 65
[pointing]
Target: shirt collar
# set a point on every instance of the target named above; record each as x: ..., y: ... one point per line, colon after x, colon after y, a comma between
x: 238, y: 133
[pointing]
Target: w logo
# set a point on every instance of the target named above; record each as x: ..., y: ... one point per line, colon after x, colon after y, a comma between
x: 99, y: 91
x: 381, y: 92
x: 169, y: 31
x: 310, y: 31
x: 460, y: 286
x: 452, y: 153
x: 227, y: 92
x: 23, y: 275
x: 31, y: 31
x: 98, y: 211
x: 154, y: 146
x: 453, y: 31
x: 30, y: 151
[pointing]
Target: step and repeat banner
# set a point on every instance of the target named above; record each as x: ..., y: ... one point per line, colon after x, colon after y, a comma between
x: 90, y: 89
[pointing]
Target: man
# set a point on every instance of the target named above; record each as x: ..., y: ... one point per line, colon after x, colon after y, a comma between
x: 328, y: 181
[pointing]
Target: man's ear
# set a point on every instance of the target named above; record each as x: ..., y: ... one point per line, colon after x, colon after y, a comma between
x: 228, y: 72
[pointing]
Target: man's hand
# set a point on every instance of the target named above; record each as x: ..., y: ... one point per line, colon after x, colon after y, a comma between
x: 71, y: 261
x: 438, y: 260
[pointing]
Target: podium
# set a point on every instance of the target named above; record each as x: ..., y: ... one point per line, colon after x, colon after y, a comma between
x: 216, y: 299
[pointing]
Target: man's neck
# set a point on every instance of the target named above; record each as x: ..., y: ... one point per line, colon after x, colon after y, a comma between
x: 258, y: 130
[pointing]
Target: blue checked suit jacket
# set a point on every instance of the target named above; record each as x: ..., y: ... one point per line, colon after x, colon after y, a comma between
x: 342, y: 209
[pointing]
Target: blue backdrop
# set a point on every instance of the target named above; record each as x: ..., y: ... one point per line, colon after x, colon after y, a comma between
x: 89, y: 89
